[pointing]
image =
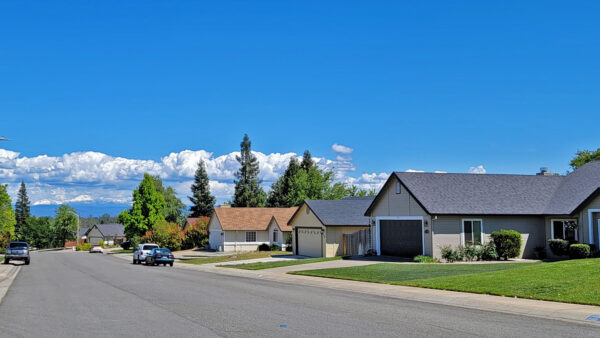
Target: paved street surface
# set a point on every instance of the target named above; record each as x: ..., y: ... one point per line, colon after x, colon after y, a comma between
x: 79, y: 294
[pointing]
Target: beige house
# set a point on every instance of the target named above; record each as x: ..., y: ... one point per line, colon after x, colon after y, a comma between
x: 319, y: 225
x: 418, y: 213
x: 244, y: 229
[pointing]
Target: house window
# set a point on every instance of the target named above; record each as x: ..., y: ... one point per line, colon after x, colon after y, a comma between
x: 398, y: 188
x: 250, y: 236
x: 565, y: 229
x: 274, y: 235
x: 472, y: 231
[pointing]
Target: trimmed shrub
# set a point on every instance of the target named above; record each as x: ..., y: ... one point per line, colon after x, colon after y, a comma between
x: 264, y: 247
x: 83, y: 247
x: 424, y: 259
x: 508, y: 243
x: 451, y: 255
x: 275, y: 247
x: 559, y: 247
x: 577, y: 251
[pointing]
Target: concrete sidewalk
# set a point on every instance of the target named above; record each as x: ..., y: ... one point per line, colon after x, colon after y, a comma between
x: 8, y: 273
x: 535, y: 308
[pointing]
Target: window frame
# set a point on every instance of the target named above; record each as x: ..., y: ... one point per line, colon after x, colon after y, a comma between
x: 563, y: 220
x: 246, y: 236
x: 398, y: 188
x: 275, y: 236
x: 463, y: 237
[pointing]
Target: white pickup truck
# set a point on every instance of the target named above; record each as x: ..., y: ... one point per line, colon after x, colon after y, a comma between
x: 142, y: 251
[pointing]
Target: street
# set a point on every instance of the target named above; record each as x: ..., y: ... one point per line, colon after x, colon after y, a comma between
x: 80, y: 294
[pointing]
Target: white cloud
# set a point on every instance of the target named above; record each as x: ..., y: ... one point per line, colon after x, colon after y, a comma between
x: 477, y: 170
x: 340, y: 149
x: 414, y: 171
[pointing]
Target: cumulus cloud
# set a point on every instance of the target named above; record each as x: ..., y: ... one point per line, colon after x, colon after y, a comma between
x: 477, y: 170
x: 340, y: 149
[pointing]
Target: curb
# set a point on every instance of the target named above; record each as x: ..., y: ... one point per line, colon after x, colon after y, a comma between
x: 6, y: 280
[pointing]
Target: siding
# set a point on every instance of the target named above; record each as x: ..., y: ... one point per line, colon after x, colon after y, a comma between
x: 404, y: 204
x: 94, y: 236
x: 280, y: 236
x: 584, y: 222
x: 448, y: 230
x: 235, y: 240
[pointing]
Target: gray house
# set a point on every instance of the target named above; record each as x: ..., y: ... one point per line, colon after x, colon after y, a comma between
x: 418, y: 213
x: 109, y: 233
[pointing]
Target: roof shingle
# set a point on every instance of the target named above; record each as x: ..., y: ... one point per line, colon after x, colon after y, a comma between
x: 253, y: 218
x: 348, y: 211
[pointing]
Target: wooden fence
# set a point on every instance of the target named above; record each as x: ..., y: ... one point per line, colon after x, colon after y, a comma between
x: 356, y: 244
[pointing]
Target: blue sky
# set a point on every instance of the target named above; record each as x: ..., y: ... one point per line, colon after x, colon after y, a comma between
x: 435, y: 85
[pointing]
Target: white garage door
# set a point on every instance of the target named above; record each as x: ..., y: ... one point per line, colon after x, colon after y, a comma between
x: 215, y: 240
x: 310, y: 242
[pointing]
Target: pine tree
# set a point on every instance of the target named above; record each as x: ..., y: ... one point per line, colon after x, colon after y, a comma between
x: 248, y: 192
x: 22, y: 208
x: 307, y: 161
x: 203, y: 203
x: 283, y: 192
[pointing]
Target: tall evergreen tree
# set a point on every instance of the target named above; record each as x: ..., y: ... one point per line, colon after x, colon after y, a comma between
x: 307, y: 161
x: 22, y: 208
x: 203, y: 203
x: 248, y: 192
x: 282, y: 192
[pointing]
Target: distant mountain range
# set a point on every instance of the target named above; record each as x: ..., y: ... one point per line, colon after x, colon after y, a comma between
x: 84, y: 209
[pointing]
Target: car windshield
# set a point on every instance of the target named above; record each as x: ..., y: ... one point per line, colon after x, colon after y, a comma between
x: 18, y: 245
x: 163, y: 251
x: 149, y: 247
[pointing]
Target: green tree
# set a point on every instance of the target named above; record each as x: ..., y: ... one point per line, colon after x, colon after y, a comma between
x: 147, y: 209
x: 248, y: 192
x: 22, y: 208
x: 307, y: 161
x: 282, y: 192
x: 7, y: 214
x: 340, y: 190
x: 585, y: 156
x: 174, y: 208
x: 203, y: 203
x: 64, y: 226
x: 37, y: 231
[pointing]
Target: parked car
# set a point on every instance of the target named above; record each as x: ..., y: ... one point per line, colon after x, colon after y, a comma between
x: 96, y: 248
x: 160, y: 256
x: 17, y: 251
x: 142, y: 252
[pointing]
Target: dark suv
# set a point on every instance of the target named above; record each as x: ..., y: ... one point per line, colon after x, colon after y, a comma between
x: 17, y: 251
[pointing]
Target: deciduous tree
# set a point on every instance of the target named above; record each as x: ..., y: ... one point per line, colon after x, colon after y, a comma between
x: 147, y: 209
x: 64, y: 226
x: 585, y: 156
x: 7, y: 214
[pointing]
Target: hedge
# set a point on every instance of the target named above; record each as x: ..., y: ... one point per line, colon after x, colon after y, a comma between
x: 508, y: 243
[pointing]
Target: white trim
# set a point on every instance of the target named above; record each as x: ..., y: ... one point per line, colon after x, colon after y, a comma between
x: 563, y: 220
x: 398, y: 218
x: 591, y: 225
x: 462, y: 232
x: 245, y: 243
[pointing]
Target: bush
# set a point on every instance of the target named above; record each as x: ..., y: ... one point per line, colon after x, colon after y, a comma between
x: 196, y: 235
x: 289, y: 248
x: 577, y: 251
x: 101, y: 243
x: 451, y: 255
x: 4, y: 241
x: 487, y: 252
x: 424, y: 259
x: 275, y: 247
x: 264, y: 247
x: 126, y: 245
x: 539, y: 252
x: 166, y: 235
x: 508, y: 243
x: 559, y: 247
x: 83, y: 247
x: 469, y: 252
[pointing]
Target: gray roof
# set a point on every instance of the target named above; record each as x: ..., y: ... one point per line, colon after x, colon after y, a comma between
x: 503, y: 194
x: 348, y: 211
x: 111, y: 229
x: 83, y: 231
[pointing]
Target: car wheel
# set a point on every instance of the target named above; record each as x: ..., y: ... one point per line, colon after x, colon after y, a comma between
x: 171, y: 264
x: 134, y: 262
x: 5, y: 260
x: 27, y: 261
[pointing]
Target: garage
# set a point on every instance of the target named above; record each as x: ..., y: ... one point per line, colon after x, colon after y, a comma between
x: 310, y: 242
x: 402, y: 238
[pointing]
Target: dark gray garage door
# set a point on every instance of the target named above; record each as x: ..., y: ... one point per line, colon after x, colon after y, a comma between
x: 402, y: 238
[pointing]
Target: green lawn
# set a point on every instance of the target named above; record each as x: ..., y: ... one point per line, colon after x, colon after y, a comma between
x: 278, y: 264
x: 573, y: 281
x: 123, y: 251
x: 236, y: 257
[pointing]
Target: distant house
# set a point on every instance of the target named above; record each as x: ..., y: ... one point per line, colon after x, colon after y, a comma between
x: 419, y: 213
x: 111, y: 234
x: 244, y: 229
x: 193, y: 220
x: 319, y: 225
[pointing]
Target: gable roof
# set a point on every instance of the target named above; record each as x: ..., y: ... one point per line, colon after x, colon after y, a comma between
x: 494, y: 194
x: 283, y: 218
x: 349, y: 211
x: 252, y: 218
x: 110, y: 229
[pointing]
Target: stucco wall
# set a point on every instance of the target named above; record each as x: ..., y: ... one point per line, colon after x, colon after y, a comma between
x: 236, y: 240
x: 403, y: 204
x: 448, y: 230
x: 333, y: 239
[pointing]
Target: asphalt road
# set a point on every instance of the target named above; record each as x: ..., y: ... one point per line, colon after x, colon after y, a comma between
x: 79, y: 294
